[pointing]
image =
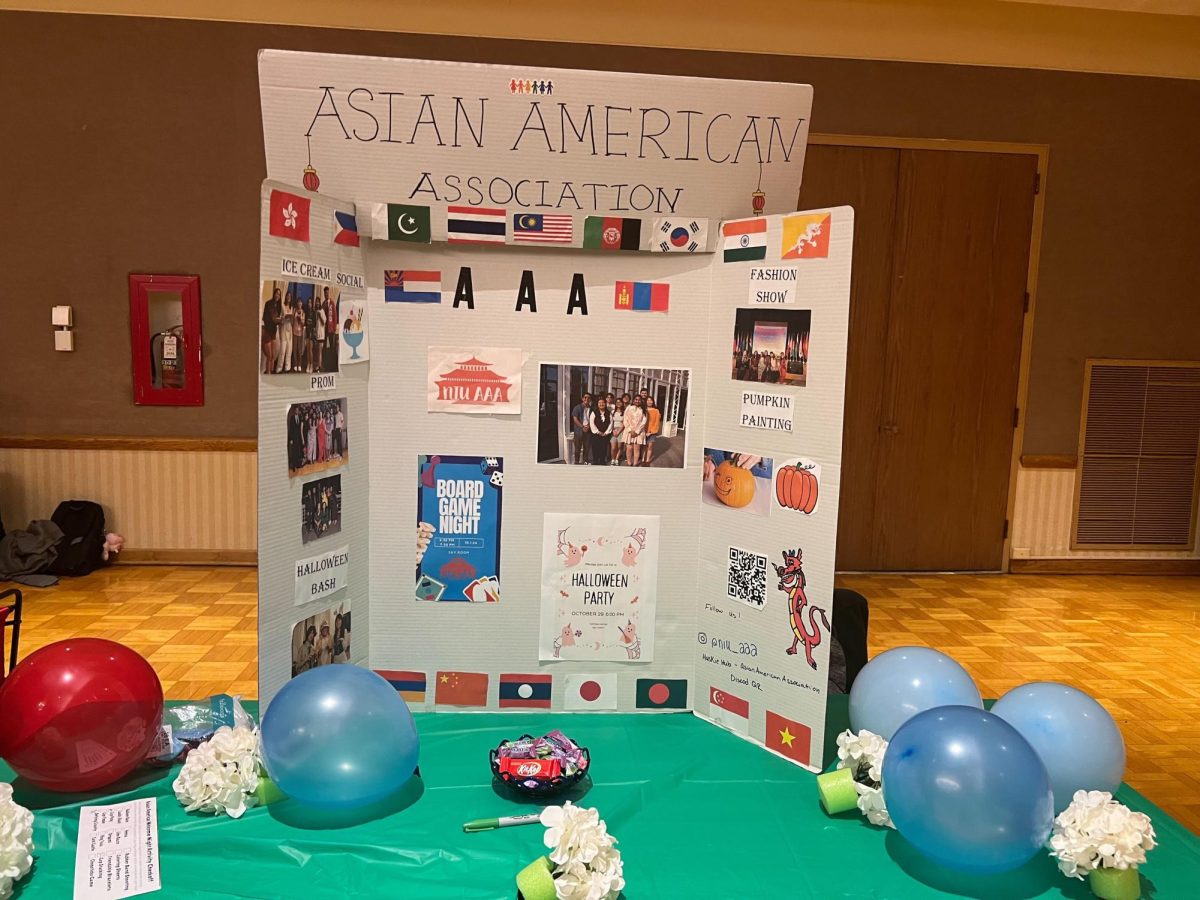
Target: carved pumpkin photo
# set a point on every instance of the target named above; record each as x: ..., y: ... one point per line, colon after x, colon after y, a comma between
x: 797, y: 484
x: 733, y: 485
x: 737, y: 480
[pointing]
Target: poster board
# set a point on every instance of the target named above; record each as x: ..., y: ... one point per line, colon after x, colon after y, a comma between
x: 509, y: 305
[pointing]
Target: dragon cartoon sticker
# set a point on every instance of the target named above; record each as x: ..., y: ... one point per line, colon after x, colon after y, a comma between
x: 792, y: 582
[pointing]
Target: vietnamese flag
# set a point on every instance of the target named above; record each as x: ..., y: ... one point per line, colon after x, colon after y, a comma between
x: 461, y: 689
x: 289, y: 216
x: 788, y: 738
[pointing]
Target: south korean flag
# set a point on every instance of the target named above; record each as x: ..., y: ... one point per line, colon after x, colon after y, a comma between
x: 680, y: 235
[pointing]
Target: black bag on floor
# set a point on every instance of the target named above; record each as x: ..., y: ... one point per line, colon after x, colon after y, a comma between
x: 82, y: 546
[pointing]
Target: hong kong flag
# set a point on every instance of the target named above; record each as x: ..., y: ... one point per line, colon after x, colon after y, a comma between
x: 289, y: 216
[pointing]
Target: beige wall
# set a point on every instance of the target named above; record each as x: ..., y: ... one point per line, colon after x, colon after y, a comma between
x: 1138, y: 37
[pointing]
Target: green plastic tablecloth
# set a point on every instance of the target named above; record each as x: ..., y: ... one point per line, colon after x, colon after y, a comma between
x: 698, y: 811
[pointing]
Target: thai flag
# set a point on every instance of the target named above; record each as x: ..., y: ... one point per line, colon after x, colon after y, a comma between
x: 345, y: 229
x: 475, y: 225
x: 410, y: 286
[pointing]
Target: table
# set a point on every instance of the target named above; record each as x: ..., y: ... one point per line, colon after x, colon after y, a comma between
x: 699, y: 813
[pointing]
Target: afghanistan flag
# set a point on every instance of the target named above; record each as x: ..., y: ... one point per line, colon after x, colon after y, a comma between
x: 661, y: 693
x: 605, y: 233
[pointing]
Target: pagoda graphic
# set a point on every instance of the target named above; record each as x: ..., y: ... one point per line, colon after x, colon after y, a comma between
x: 472, y: 381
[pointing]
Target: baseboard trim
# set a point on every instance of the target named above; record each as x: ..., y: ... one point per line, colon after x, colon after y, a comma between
x: 189, y: 557
x: 1105, y: 566
x: 115, y: 442
x: 1048, y: 461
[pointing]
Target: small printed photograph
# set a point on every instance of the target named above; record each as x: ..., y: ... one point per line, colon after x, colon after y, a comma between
x: 321, y: 508
x: 321, y: 639
x: 770, y: 346
x: 317, y: 436
x: 613, y: 416
x: 737, y: 481
x: 299, y: 328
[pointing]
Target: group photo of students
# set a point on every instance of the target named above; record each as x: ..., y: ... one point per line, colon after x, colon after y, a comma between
x: 299, y: 328
x: 771, y: 346
x: 317, y: 436
x: 320, y: 640
x: 321, y: 508
x: 616, y: 417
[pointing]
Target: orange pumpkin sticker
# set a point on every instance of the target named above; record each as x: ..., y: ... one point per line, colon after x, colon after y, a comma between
x: 797, y: 485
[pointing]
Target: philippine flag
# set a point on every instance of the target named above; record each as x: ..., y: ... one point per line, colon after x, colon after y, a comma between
x: 525, y: 691
x: 345, y: 229
x: 590, y: 692
x: 411, y: 286
x: 726, y: 709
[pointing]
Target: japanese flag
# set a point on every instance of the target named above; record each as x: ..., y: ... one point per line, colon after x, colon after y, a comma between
x: 590, y: 692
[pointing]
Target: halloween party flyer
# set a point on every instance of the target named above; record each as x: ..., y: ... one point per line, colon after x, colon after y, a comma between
x: 458, y: 528
x: 599, y: 587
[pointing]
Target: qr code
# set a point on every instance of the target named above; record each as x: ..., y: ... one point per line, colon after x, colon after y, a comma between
x: 747, y: 577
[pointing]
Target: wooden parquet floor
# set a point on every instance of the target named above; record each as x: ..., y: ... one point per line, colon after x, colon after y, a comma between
x: 1131, y: 642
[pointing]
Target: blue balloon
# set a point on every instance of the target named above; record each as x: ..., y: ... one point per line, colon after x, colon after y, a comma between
x: 967, y: 791
x: 339, y: 737
x: 897, y: 684
x: 1074, y: 735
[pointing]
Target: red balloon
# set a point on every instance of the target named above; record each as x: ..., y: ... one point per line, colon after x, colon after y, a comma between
x: 79, y: 714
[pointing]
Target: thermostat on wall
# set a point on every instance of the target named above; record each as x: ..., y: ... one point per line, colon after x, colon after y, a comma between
x: 61, y: 316
x: 64, y: 340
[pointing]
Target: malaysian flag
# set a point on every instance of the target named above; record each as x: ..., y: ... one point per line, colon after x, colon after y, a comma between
x: 535, y: 228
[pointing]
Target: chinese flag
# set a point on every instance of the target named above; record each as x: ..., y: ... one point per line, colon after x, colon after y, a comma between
x: 461, y: 689
x: 289, y: 216
x: 787, y: 737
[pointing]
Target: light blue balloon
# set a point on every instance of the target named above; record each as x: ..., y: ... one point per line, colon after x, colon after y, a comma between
x: 899, y: 683
x: 339, y: 737
x: 1074, y: 735
x: 967, y: 791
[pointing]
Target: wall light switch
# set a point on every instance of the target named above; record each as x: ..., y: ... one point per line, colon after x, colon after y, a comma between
x: 64, y: 340
x: 61, y: 317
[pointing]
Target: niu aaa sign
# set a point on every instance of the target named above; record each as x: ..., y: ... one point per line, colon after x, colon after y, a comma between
x: 475, y: 380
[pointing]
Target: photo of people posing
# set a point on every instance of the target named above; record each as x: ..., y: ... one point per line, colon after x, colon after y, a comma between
x: 317, y: 436
x: 737, y: 481
x: 321, y: 639
x: 321, y: 508
x: 617, y: 416
x: 299, y: 328
x: 771, y: 346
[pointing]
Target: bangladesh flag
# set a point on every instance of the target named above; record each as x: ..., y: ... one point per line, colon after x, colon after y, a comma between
x: 606, y: 233
x: 661, y: 693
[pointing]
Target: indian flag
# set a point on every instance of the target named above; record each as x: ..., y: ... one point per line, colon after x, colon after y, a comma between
x: 745, y: 240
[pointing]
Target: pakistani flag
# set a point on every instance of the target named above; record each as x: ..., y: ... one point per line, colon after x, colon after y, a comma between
x: 400, y: 222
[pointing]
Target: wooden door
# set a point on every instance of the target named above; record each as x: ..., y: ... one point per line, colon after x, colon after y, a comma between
x: 940, y: 263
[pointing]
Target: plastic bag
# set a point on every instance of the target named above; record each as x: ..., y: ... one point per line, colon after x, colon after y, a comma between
x: 188, y: 725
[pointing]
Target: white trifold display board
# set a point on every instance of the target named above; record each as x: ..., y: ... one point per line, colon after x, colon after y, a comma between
x: 671, y: 600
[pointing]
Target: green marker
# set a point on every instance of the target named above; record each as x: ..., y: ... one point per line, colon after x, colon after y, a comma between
x: 501, y: 822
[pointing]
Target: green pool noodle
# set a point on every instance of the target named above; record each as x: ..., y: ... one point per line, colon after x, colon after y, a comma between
x: 535, y: 881
x: 268, y: 792
x: 837, y: 791
x: 1115, y: 884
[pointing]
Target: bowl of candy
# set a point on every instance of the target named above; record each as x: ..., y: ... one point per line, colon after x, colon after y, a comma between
x: 541, y: 766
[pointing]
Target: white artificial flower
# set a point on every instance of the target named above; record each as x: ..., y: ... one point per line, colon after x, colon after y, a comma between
x: 220, y: 775
x: 1095, y: 831
x: 16, y: 841
x: 870, y: 803
x: 587, y: 864
x: 862, y: 754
